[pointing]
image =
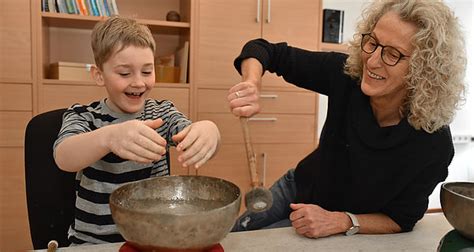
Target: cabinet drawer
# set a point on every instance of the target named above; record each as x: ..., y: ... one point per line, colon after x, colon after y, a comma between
x: 288, y: 102
x: 63, y: 96
x: 16, y: 97
x: 12, y: 128
x: 265, y: 128
x: 215, y: 100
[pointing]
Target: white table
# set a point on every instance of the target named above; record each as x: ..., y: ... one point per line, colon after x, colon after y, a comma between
x: 425, y: 237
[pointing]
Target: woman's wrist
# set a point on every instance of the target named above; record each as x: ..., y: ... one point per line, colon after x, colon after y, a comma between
x: 345, y: 222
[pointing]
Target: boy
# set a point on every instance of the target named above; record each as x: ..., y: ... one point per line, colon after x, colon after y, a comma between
x: 125, y: 136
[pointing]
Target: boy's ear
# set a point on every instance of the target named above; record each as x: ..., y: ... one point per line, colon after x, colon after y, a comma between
x: 97, y: 75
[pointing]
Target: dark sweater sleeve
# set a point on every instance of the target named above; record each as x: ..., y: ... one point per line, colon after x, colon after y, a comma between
x: 306, y: 69
x: 411, y: 204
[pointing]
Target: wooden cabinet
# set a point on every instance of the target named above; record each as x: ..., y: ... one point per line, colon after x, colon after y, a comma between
x: 31, y: 40
x: 225, y: 26
x: 14, y: 228
x: 285, y: 130
x: 15, y: 40
x: 14, y: 231
x: 66, y: 38
x: 16, y: 80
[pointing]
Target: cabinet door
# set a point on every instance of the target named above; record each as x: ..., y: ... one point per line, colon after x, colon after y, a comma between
x: 15, y: 40
x: 294, y: 22
x: 14, y: 229
x: 265, y: 128
x: 224, y: 27
x: 12, y: 128
x: 304, y: 102
x: 9, y: 97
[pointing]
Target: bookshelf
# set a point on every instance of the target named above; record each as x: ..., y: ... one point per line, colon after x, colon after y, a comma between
x: 80, y: 21
x: 65, y: 37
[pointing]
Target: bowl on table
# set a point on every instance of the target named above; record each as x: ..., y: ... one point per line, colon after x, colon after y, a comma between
x: 175, y: 212
x: 457, y: 202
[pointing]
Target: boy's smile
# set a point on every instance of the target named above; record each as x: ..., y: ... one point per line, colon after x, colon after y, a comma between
x: 129, y: 76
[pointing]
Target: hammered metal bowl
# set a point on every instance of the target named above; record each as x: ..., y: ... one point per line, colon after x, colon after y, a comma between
x: 175, y: 212
x: 457, y: 202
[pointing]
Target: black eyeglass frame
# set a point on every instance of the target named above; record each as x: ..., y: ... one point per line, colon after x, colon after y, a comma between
x: 383, y: 49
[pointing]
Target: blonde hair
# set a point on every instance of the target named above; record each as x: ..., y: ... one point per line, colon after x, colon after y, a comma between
x: 435, y: 79
x: 116, y: 33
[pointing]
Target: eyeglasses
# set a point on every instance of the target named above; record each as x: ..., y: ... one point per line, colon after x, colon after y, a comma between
x: 390, y: 55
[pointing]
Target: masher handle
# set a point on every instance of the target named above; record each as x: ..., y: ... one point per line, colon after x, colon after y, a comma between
x: 251, y: 157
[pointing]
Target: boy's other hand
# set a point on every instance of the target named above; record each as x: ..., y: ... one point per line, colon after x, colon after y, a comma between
x: 137, y: 140
x: 198, y: 142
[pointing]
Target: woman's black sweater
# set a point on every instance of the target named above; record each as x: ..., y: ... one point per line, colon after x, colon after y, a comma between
x: 358, y: 166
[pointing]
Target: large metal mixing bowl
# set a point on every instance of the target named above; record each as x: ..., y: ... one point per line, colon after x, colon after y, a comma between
x: 457, y: 201
x: 175, y: 212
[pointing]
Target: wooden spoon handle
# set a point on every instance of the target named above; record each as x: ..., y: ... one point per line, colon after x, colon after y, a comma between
x: 251, y: 157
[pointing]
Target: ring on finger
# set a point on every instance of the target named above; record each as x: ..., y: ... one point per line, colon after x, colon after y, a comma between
x: 237, y: 94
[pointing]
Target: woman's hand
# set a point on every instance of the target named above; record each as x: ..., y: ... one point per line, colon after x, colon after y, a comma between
x: 313, y: 221
x: 198, y: 142
x: 243, y: 99
x: 136, y: 140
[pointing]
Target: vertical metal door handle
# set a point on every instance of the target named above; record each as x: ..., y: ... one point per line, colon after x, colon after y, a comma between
x: 258, y: 11
x: 269, y: 11
x: 264, y: 164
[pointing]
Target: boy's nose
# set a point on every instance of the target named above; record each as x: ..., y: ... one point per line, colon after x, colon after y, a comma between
x: 138, y: 82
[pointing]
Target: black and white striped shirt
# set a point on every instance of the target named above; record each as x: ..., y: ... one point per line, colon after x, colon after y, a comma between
x: 93, y: 221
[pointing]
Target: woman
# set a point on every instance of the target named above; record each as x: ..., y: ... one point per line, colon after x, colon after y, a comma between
x: 386, y: 142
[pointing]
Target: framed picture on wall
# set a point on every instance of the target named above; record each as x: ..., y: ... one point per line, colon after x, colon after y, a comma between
x: 333, y: 24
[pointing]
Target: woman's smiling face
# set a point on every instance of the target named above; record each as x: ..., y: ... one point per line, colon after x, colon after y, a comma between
x: 380, y: 80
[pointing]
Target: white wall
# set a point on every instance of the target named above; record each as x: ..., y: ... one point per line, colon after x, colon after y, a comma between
x: 462, y: 167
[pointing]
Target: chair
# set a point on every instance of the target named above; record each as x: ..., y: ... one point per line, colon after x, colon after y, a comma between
x: 50, y: 192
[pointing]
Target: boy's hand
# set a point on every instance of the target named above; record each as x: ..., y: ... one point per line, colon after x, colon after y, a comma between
x: 137, y: 140
x: 198, y: 142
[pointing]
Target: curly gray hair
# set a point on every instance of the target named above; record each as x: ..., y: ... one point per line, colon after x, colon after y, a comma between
x: 435, y: 80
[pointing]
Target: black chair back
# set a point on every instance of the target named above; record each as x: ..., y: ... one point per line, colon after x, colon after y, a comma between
x: 50, y: 192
